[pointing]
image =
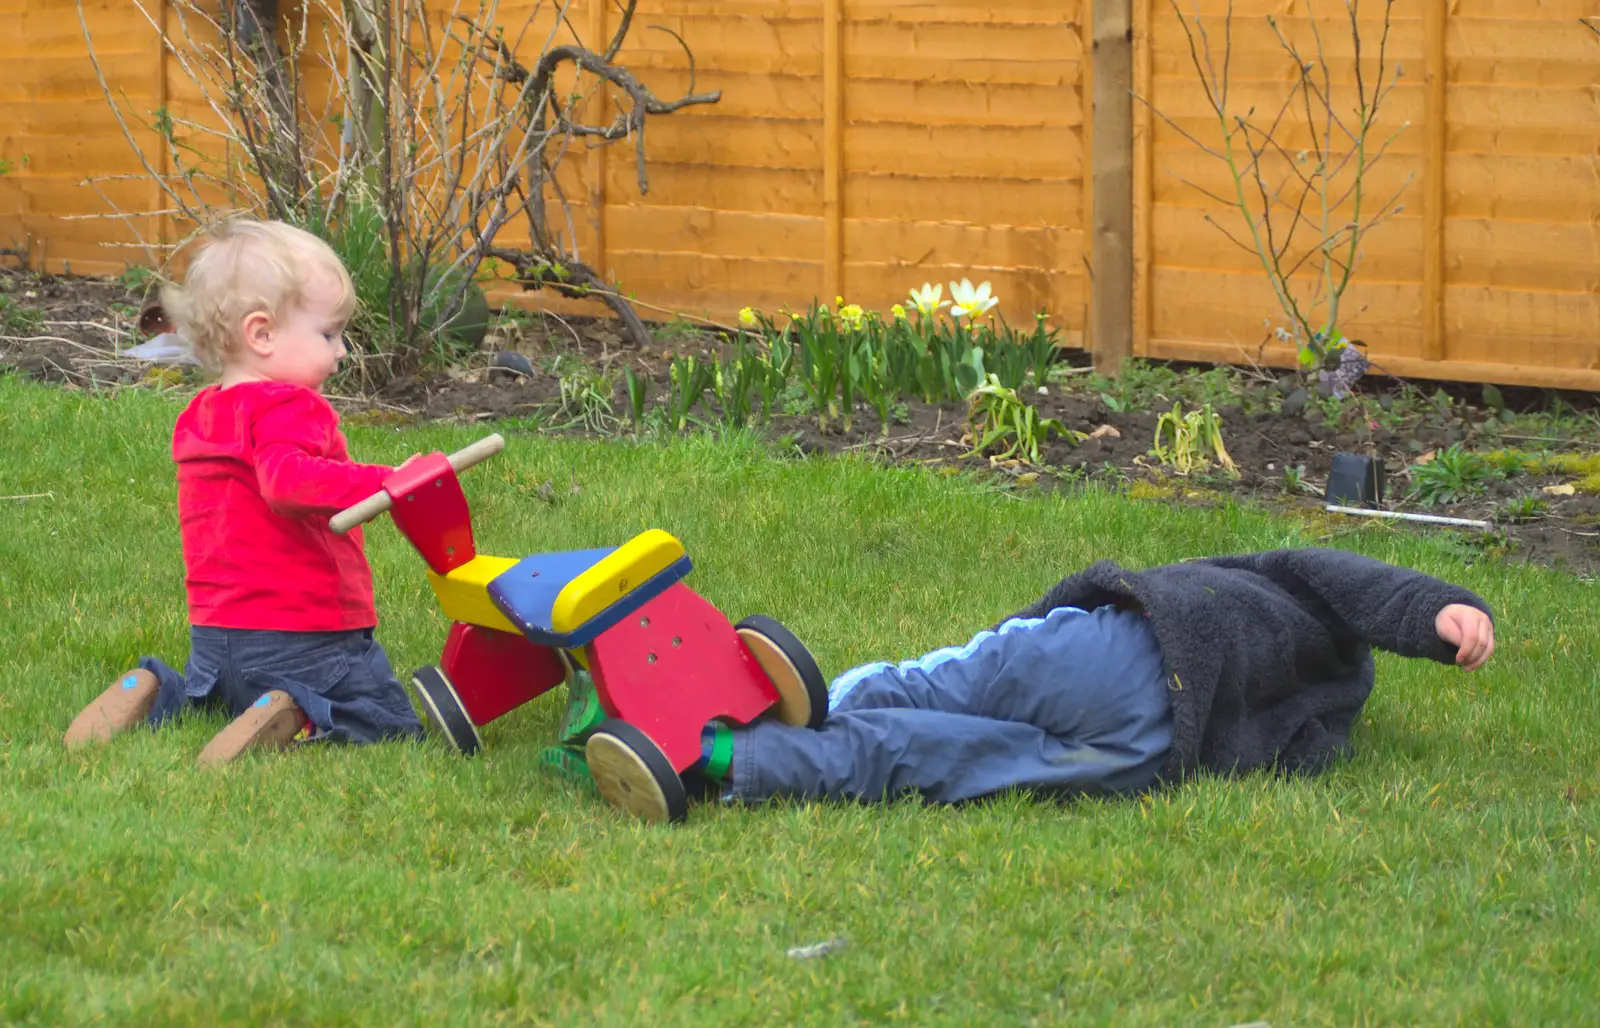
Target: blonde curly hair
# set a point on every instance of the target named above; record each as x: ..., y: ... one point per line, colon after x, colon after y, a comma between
x: 244, y: 266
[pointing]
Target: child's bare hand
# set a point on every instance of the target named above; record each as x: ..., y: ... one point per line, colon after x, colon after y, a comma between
x: 1470, y: 631
x: 409, y: 459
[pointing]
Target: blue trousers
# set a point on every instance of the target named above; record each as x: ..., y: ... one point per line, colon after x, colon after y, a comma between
x: 1069, y: 703
x: 341, y: 680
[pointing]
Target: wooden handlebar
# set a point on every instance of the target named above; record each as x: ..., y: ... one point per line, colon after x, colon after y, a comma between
x: 380, y: 501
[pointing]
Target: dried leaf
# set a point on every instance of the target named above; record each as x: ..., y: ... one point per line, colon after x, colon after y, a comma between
x: 1427, y: 458
x: 1105, y: 432
x: 1028, y: 478
x: 1564, y: 489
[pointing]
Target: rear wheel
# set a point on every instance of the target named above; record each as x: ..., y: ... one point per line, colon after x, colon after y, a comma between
x: 802, y: 692
x: 445, y: 713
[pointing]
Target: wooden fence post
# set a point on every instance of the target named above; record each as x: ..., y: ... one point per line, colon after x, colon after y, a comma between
x: 162, y: 226
x: 833, y: 152
x: 1433, y: 194
x: 598, y: 41
x: 1111, y: 291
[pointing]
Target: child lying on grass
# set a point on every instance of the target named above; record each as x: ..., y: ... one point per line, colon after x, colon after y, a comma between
x: 1118, y: 680
x: 280, y: 608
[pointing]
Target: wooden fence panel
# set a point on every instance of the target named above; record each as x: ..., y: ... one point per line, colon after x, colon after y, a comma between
x: 862, y: 147
x: 56, y: 129
x: 1492, y: 269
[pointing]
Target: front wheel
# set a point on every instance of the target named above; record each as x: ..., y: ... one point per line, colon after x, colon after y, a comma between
x: 632, y: 773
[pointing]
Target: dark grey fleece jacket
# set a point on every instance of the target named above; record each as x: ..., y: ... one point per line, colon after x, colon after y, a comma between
x: 1269, y: 655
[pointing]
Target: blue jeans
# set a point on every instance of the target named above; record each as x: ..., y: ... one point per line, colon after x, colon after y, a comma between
x: 1070, y: 702
x: 341, y: 680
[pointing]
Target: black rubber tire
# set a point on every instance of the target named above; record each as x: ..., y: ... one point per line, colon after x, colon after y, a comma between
x: 634, y: 775
x: 444, y: 710
x: 789, y: 644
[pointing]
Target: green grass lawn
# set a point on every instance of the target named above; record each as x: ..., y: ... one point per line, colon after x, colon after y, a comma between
x: 1445, y: 874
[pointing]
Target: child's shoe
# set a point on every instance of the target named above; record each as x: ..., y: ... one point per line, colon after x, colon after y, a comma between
x: 273, y: 722
x: 127, y: 703
x: 584, y: 712
x: 568, y: 763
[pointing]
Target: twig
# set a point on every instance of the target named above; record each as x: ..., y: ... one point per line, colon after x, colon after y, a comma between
x: 53, y: 339
x: 90, y: 324
x: 30, y: 496
x: 1589, y: 443
x: 368, y: 401
x: 909, y: 442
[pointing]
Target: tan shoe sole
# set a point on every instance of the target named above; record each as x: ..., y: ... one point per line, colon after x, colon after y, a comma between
x: 271, y: 723
x: 126, y: 704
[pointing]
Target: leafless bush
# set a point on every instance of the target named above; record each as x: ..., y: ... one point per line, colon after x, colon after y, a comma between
x: 411, y: 142
x: 1305, y: 224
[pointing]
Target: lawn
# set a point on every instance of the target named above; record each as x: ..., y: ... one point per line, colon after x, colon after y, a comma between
x: 1445, y: 874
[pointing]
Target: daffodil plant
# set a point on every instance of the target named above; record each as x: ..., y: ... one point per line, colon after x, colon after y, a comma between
x: 937, y: 349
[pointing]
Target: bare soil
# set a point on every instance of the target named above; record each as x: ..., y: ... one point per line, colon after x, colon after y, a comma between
x: 77, y: 328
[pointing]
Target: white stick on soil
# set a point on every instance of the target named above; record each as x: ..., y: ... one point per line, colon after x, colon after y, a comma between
x: 1432, y: 519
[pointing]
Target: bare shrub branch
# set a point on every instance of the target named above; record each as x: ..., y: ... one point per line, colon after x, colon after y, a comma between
x: 410, y: 142
x: 1323, y: 193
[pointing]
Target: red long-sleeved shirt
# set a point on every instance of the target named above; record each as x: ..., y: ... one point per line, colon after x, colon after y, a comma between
x: 261, y: 468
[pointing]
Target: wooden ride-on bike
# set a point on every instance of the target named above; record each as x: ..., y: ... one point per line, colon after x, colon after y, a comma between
x: 664, y: 660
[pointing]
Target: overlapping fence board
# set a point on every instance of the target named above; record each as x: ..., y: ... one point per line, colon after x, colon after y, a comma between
x: 1517, y: 280
x: 912, y: 141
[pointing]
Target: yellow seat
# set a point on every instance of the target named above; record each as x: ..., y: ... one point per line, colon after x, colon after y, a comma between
x: 565, y: 599
x: 464, y: 593
x: 614, y: 576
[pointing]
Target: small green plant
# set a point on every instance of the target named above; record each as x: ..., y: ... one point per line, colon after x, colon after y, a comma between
x: 638, y: 396
x: 1294, y: 481
x: 1522, y: 508
x: 1196, y: 440
x: 17, y: 318
x: 733, y: 380
x: 772, y: 376
x: 585, y: 400
x: 794, y: 400
x: 137, y: 278
x: 1452, y: 476
x: 511, y: 315
x: 996, y: 414
x: 678, y: 330
x: 1043, y: 347
x: 1509, y: 463
x: 688, y: 378
x: 817, y: 337
x: 877, y: 383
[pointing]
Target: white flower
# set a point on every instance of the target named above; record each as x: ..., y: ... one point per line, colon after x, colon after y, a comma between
x: 967, y: 302
x: 927, y: 299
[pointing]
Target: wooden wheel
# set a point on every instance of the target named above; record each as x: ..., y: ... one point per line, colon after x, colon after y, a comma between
x: 445, y: 712
x: 802, y: 692
x: 632, y: 773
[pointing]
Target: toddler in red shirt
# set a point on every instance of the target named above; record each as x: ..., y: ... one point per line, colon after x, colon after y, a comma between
x: 280, y: 607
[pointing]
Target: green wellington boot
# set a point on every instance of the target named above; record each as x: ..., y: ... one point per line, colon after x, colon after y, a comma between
x: 583, y: 715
